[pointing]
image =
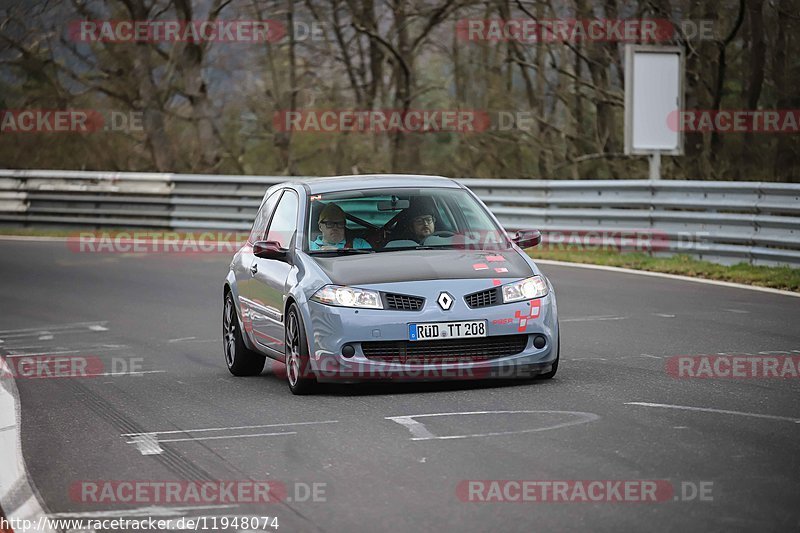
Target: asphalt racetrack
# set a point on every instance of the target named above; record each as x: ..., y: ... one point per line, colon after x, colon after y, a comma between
x: 722, y: 452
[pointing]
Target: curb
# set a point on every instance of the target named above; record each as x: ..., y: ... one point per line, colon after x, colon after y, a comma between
x: 18, y: 499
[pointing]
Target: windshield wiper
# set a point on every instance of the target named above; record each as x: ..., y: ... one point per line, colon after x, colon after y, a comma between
x: 342, y: 251
x: 420, y: 247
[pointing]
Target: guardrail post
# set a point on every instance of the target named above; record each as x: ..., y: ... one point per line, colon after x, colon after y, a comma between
x: 651, y: 187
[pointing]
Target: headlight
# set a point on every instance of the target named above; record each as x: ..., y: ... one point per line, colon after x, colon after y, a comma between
x: 348, y: 297
x: 526, y: 289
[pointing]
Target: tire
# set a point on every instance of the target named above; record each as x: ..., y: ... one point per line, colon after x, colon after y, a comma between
x: 298, y: 368
x: 240, y: 360
x: 552, y: 373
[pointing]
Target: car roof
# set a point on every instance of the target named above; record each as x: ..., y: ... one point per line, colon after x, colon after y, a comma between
x: 374, y: 181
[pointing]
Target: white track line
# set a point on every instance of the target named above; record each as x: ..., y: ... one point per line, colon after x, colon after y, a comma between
x: 218, y: 437
x: 420, y: 432
x: 149, y: 443
x: 667, y: 276
x: 131, y: 373
x: 182, y: 339
x: 719, y: 411
x: 59, y: 327
x: 231, y: 428
x: 594, y: 319
x: 103, y: 374
x: 31, y: 354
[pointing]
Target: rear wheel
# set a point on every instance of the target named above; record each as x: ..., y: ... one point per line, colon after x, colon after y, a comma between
x: 240, y: 360
x: 298, y: 368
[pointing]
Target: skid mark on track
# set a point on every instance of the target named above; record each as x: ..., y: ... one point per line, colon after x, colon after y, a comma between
x: 172, y: 460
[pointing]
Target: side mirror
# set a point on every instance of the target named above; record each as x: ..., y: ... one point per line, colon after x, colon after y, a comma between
x: 527, y: 238
x: 269, y: 250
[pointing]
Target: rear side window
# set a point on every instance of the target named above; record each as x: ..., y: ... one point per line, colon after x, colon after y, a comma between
x: 262, y: 218
x: 284, y: 222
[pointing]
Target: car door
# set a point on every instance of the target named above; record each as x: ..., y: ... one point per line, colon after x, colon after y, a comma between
x: 246, y: 282
x: 270, y: 275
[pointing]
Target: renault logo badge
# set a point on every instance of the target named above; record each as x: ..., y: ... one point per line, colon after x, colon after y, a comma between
x: 445, y: 301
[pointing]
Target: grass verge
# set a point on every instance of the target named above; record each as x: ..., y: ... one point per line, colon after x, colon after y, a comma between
x: 785, y: 278
x: 37, y: 232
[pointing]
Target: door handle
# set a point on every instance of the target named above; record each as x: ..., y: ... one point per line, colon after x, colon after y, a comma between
x: 254, y: 268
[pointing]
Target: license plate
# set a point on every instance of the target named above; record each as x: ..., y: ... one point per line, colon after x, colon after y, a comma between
x: 446, y: 330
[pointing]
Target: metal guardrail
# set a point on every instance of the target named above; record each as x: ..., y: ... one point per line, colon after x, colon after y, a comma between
x: 726, y: 222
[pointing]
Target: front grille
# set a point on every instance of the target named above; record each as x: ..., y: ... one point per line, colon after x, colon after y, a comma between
x: 485, y: 298
x: 402, y: 302
x: 444, y: 351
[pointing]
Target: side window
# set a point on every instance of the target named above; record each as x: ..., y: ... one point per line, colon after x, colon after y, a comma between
x: 262, y: 218
x: 284, y: 223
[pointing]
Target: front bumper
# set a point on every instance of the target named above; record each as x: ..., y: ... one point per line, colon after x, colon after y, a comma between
x: 330, y: 329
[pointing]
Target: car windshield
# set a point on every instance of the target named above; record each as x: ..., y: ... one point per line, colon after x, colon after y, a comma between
x: 387, y: 220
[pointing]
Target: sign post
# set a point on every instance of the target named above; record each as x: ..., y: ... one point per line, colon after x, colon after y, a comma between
x: 653, y: 101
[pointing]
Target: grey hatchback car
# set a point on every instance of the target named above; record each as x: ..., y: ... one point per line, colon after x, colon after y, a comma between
x: 386, y: 277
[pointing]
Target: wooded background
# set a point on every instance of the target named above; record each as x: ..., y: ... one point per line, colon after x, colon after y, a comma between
x: 208, y: 107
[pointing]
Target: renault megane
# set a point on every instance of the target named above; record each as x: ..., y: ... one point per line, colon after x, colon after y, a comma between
x: 394, y: 277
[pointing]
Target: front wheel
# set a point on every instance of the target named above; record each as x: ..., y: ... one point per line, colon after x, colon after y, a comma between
x: 298, y: 368
x: 240, y: 360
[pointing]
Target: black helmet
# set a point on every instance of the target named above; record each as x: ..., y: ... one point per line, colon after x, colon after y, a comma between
x: 420, y: 205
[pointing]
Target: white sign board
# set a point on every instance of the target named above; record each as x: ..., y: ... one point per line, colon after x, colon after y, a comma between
x: 653, y: 99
